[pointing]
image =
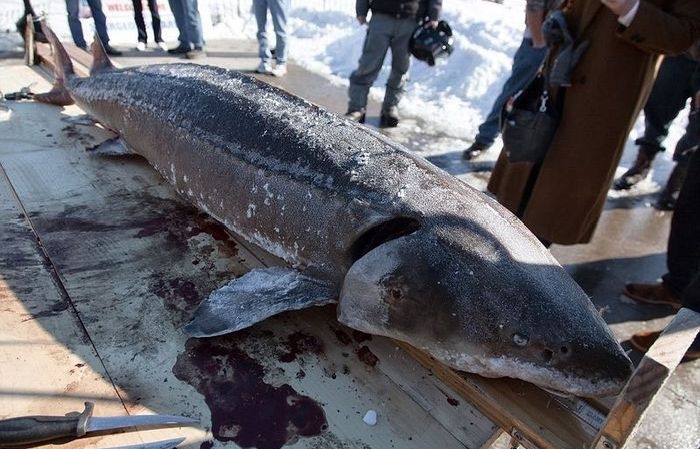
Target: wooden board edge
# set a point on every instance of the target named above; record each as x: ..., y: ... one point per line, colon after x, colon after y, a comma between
x: 648, y: 378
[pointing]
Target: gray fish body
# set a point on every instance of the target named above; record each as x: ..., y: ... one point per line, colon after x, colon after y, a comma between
x: 409, y: 251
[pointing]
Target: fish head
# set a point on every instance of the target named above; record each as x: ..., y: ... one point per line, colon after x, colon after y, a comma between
x: 478, y: 307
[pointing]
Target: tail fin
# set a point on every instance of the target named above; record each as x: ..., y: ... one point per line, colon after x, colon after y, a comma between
x: 100, y: 60
x: 62, y: 70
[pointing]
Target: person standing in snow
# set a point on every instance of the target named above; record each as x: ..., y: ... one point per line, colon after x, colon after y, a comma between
x: 391, y: 25
x: 561, y: 199
x: 526, y: 62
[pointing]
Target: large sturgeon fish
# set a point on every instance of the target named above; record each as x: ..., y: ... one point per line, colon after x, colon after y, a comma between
x: 407, y: 250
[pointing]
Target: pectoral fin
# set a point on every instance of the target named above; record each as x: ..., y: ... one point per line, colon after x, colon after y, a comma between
x: 112, y: 147
x: 255, y: 296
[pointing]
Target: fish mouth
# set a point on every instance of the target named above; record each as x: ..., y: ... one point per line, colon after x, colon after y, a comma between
x: 560, y: 382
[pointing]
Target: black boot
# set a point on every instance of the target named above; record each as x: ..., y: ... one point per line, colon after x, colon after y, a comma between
x: 669, y: 195
x: 639, y: 170
x: 389, y: 117
x: 474, y: 150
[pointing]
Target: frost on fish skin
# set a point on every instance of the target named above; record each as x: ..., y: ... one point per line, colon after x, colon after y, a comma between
x: 307, y: 186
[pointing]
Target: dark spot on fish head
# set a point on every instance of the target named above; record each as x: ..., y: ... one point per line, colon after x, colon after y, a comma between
x: 392, y: 289
x: 453, y: 402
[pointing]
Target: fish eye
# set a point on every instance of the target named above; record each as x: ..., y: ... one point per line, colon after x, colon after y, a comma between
x: 520, y: 339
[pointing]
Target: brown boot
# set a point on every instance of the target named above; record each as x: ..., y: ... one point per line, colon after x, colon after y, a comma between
x: 652, y: 294
x: 642, y: 341
x: 638, y: 171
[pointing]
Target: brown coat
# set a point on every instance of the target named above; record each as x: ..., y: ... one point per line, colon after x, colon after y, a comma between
x: 563, y: 201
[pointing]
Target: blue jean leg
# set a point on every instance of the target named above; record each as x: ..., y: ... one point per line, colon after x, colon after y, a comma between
x: 526, y: 61
x: 278, y: 11
x: 194, y: 23
x: 76, y: 30
x: 260, y: 10
x: 100, y: 20
x: 178, y: 9
x: 98, y: 17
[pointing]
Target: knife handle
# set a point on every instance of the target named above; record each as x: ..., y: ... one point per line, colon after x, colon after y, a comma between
x: 27, y: 430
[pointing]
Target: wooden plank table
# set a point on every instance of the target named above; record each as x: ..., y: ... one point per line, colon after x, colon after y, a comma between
x: 102, y: 264
x: 133, y: 260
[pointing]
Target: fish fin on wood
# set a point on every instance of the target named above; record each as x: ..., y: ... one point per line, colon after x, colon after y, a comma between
x: 259, y: 294
x: 82, y: 119
x: 115, y: 146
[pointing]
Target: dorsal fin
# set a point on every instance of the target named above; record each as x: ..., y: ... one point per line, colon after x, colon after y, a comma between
x: 100, y: 60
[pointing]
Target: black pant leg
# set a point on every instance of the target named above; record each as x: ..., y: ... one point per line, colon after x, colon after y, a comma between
x: 683, y: 256
x: 668, y: 97
x: 138, y: 19
x: 155, y: 20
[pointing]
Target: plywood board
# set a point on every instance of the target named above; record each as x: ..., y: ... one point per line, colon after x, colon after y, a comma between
x: 135, y: 260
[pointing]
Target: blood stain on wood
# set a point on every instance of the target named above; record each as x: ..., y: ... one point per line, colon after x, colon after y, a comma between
x: 244, y: 408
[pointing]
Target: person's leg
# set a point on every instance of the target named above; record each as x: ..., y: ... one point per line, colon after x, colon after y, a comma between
x: 76, y: 29
x: 526, y: 61
x: 138, y: 19
x: 398, y: 76
x: 683, y: 256
x: 668, y: 97
x: 374, y: 50
x: 260, y: 11
x: 155, y: 20
x: 100, y: 20
x: 194, y: 24
x: 686, y: 146
x: 178, y: 9
x: 278, y: 11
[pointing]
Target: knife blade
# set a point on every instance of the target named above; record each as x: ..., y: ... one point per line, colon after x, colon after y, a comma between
x: 26, y: 430
x: 163, y: 444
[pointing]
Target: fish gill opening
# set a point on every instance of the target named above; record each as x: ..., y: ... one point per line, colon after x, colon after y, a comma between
x: 382, y: 233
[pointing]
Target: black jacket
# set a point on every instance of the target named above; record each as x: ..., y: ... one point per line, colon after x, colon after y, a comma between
x: 401, y: 9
